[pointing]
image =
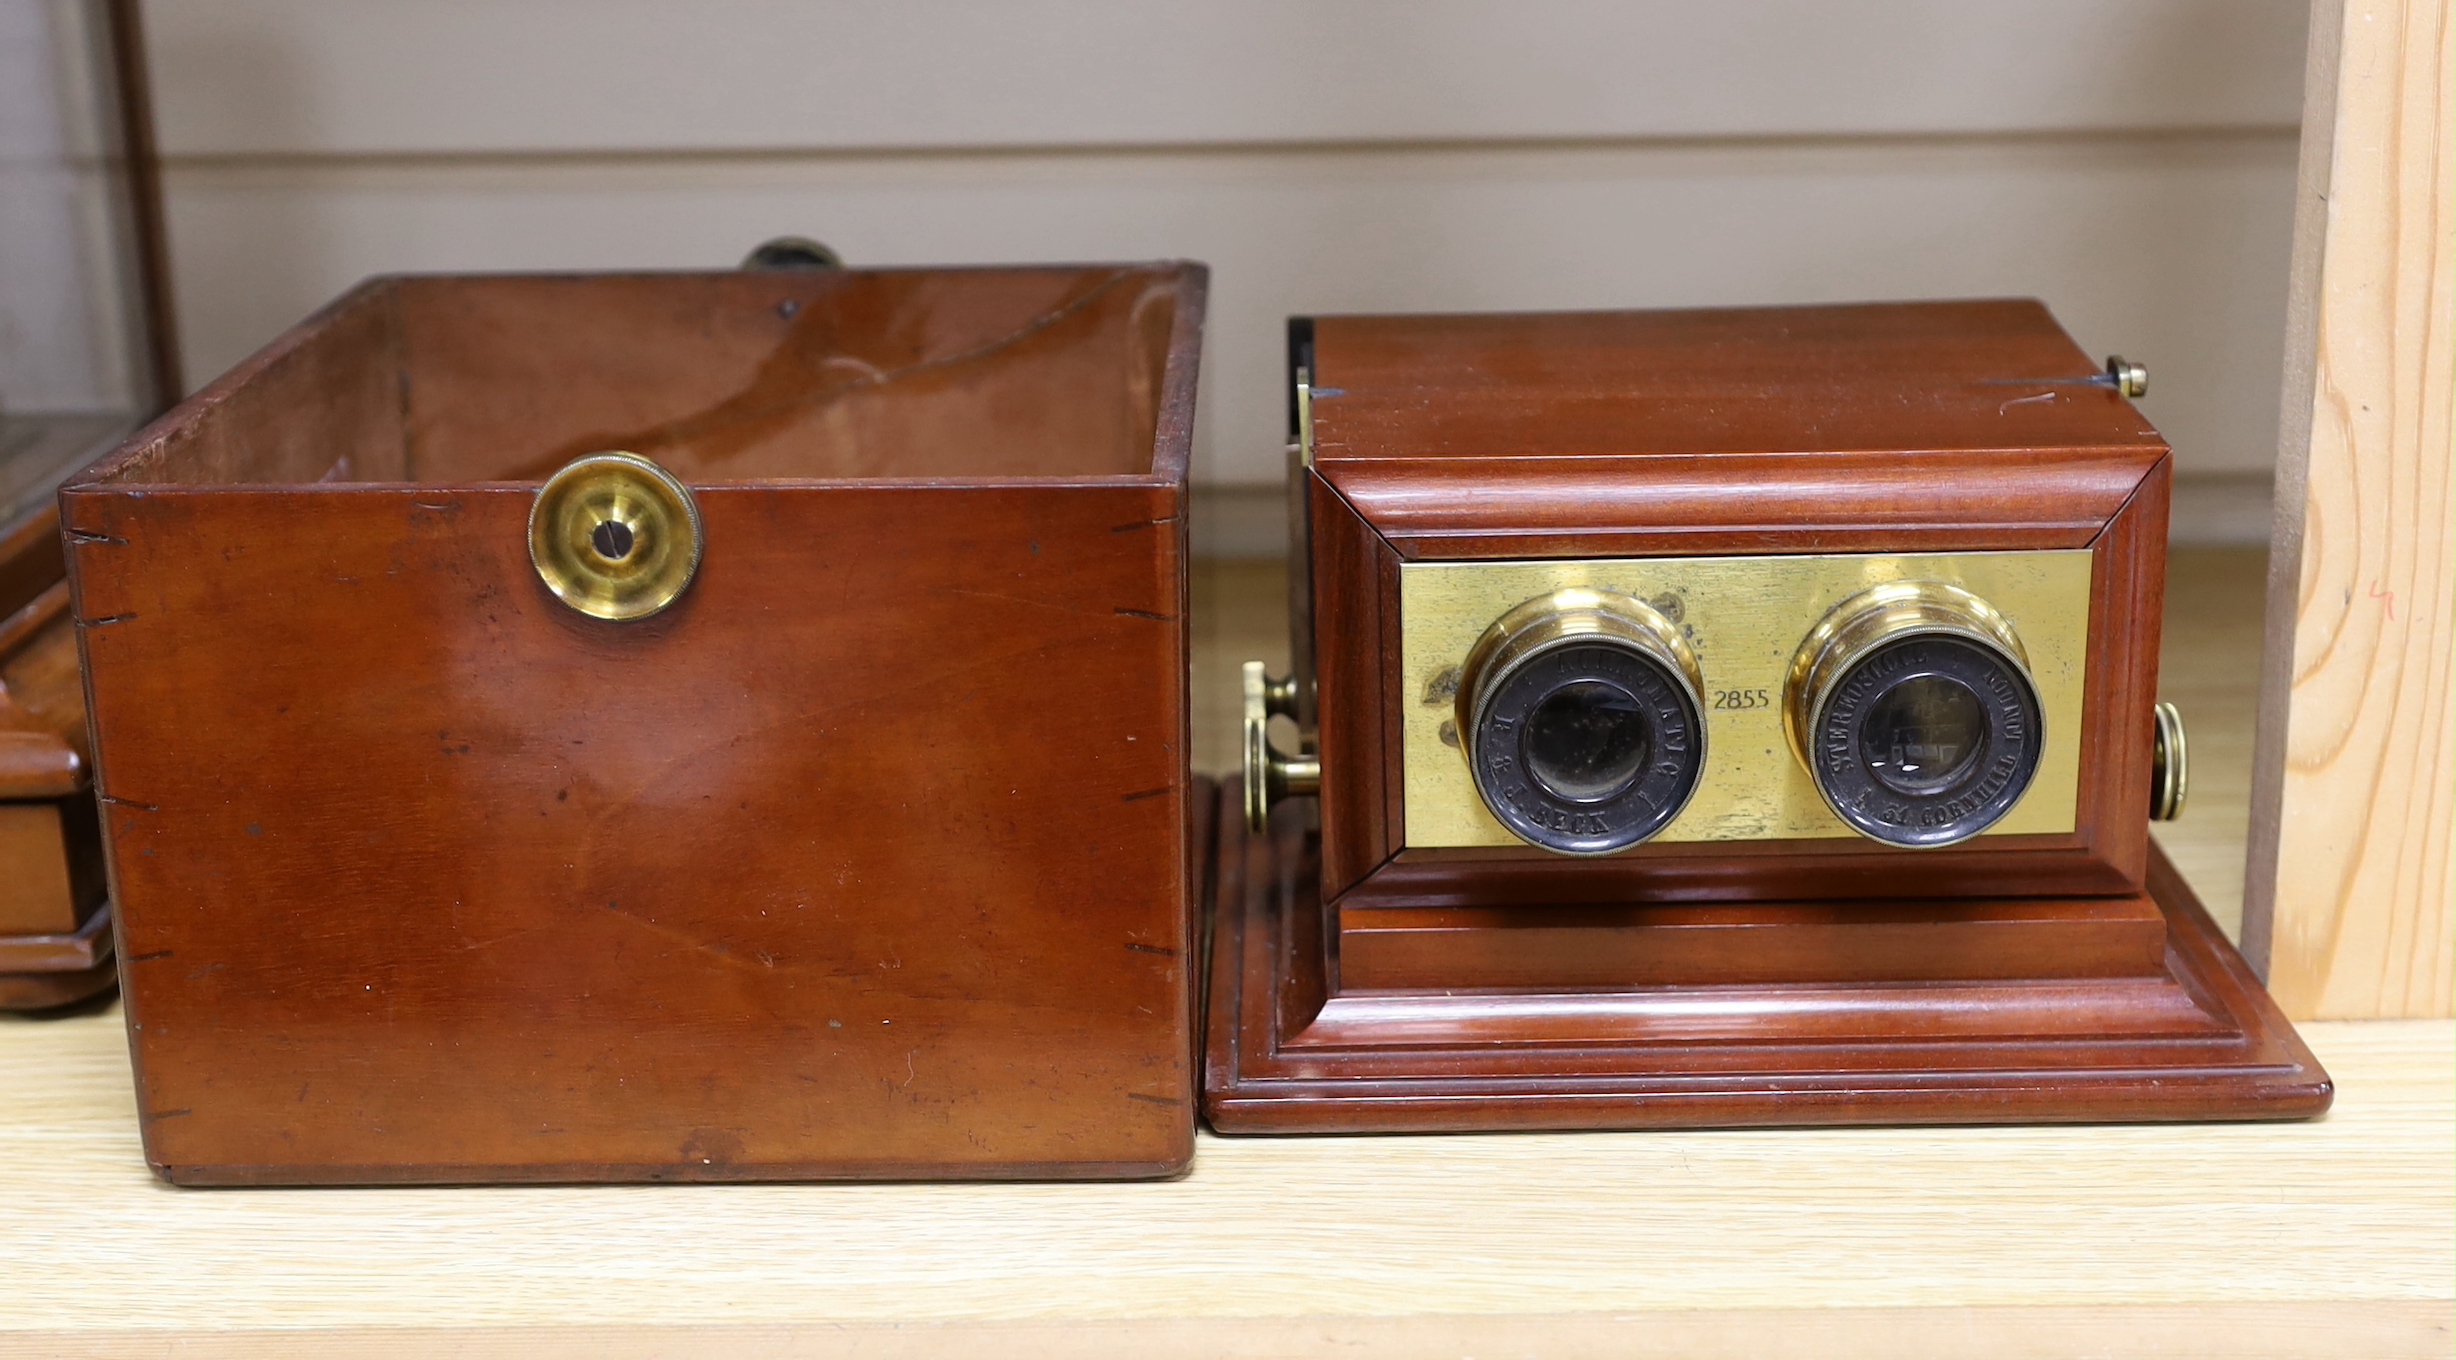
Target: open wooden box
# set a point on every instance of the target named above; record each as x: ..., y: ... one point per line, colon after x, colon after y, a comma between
x: 868, y: 857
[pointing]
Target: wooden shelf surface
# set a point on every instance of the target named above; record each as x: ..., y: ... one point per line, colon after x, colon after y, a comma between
x: 2263, y: 1233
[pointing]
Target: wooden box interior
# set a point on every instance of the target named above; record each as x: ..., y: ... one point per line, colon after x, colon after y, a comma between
x: 941, y: 374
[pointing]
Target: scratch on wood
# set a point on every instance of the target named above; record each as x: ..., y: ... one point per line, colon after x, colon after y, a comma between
x: 1021, y: 599
x: 1153, y: 1100
x: 131, y: 803
x: 95, y: 536
x: 1147, y: 614
x: 1147, y: 793
x: 148, y: 958
x: 1141, y: 948
x: 167, y: 1114
x: 712, y: 948
x: 1142, y: 524
x: 107, y: 618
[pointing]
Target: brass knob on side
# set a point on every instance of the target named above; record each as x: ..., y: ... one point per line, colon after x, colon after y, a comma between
x: 615, y: 536
x: 1270, y: 776
x: 2170, y: 767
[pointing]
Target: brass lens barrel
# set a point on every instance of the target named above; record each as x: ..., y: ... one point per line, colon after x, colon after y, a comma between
x: 1912, y: 708
x: 1578, y: 714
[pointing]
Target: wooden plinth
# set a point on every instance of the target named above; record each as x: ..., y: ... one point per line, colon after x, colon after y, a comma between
x: 1292, y: 1050
x: 1589, y: 945
x: 40, y: 972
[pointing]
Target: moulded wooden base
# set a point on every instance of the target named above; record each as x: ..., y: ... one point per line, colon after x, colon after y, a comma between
x: 44, y: 972
x: 1589, y: 945
x: 1290, y: 1051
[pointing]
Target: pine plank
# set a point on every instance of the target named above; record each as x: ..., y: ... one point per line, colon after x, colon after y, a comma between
x: 2350, y: 903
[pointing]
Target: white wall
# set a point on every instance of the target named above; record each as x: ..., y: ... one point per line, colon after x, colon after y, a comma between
x: 68, y: 310
x: 2130, y: 161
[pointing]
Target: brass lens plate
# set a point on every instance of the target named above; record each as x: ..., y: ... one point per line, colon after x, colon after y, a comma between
x: 614, y: 536
x: 1743, y: 618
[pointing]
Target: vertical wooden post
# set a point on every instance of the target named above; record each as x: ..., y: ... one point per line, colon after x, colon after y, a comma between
x: 2349, y: 904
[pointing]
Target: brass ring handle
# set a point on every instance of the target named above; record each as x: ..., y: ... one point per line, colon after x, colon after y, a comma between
x: 615, y: 536
x: 1270, y: 776
x: 792, y: 252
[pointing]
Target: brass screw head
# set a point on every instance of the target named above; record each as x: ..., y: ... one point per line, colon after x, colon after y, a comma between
x: 2129, y: 378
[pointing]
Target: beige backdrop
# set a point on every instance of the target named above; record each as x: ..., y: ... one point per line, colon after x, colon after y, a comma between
x: 2130, y: 161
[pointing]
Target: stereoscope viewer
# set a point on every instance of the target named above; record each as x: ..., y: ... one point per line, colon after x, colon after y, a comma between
x: 1722, y: 717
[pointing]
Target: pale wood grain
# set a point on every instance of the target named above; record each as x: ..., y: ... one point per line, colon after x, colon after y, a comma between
x: 2208, y: 666
x: 2351, y: 903
x: 2354, y: 1213
x: 1240, y: 613
x: 2234, y: 1331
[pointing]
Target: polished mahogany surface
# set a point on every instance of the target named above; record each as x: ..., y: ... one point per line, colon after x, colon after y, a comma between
x: 868, y: 857
x: 953, y: 374
x: 1631, y: 944
x: 1955, y: 376
x: 1780, y: 429
x: 1292, y: 1048
x: 1909, y: 427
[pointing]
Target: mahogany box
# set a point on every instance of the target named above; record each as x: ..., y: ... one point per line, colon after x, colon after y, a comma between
x: 801, y: 795
x: 1743, y: 716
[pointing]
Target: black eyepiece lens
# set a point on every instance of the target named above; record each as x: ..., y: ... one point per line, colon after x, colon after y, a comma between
x: 1928, y: 739
x: 1586, y: 741
x: 1923, y: 734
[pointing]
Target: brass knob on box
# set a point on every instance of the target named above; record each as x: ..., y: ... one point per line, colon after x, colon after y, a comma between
x: 2170, y: 770
x: 1269, y: 775
x: 614, y: 536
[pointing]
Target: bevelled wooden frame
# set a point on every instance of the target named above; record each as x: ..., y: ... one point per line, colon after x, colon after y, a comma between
x: 1289, y: 1051
x: 1386, y: 486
